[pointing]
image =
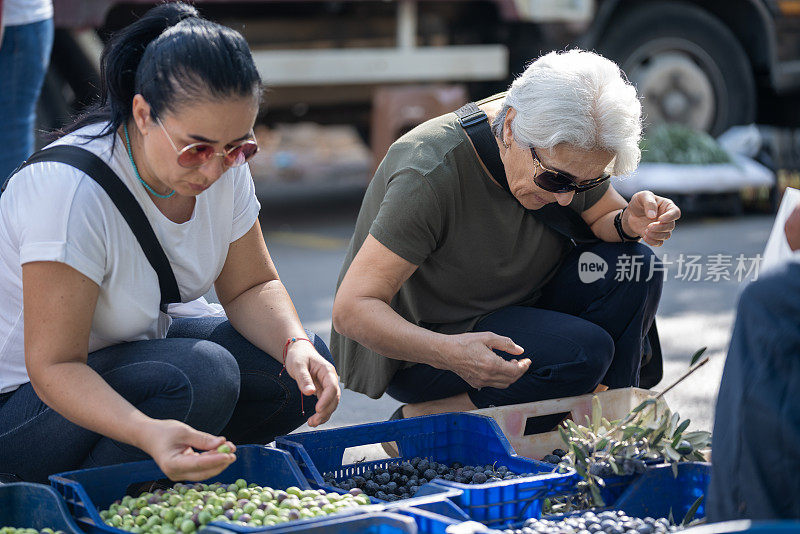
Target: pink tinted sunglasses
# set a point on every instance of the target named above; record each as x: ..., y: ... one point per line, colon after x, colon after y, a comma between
x: 196, y: 154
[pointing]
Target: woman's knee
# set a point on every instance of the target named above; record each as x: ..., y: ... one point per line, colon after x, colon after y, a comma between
x: 595, y: 351
x: 211, y: 379
x: 215, y: 370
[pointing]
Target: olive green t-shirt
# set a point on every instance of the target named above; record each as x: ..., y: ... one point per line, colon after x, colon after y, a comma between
x: 478, y: 249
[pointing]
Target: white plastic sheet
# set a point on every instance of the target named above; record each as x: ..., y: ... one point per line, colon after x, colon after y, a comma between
x: 670, y: 178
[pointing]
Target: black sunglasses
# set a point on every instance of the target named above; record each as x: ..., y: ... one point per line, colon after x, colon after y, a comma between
x: 561, y: 182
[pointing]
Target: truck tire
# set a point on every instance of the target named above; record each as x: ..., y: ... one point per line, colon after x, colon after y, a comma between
x: 686, y: 63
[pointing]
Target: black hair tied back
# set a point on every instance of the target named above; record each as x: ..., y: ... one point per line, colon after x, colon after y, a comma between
x: 171, y: 56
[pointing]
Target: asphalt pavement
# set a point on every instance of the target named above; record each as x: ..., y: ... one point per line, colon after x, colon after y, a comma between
x: 706, y: 264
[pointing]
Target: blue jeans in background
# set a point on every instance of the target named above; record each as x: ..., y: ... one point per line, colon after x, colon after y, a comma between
x: 577, y: 336
x: 756, y: 452
x: 204, y: 374
x: 24, y: 57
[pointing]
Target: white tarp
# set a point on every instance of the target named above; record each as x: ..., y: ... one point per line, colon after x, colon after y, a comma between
x: 671, y: 178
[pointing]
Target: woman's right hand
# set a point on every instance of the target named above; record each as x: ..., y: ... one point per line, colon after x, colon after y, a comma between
x: 172, y: 443
x: 471, y: 357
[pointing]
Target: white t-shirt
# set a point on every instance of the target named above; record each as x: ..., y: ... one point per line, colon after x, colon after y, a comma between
x: 53, y: 212
x: 18, y: 12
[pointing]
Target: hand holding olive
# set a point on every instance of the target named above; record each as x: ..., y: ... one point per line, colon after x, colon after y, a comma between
x: 172, y: 445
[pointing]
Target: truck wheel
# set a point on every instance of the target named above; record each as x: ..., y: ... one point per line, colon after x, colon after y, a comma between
x: 686, y: 63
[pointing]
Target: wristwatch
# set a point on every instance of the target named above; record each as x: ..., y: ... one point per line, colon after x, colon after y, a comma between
x: 618, y: 225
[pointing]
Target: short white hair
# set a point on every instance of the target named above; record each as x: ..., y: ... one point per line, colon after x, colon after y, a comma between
x: 580, y: 99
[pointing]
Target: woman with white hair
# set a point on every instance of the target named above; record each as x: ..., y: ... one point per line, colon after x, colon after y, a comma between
x: 458, y: 293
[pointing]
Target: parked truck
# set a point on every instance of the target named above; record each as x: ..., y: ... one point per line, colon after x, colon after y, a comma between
x: 710, y: 64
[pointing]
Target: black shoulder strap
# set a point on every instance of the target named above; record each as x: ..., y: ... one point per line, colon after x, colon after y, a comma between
x: 560, y: 219
x: 127, y: 205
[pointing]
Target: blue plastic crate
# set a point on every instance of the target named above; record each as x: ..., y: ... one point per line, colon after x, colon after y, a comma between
x: 657, y: 492
x: 87, y: 491
x: 28, y: 505
x: 433, y: 498
x: 447, y: 438
x: 371, y: 523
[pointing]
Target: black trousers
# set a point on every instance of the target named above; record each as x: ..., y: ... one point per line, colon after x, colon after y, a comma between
x: 579, y: 335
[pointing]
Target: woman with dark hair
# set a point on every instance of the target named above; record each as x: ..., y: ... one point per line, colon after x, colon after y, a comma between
x: 91, y: 373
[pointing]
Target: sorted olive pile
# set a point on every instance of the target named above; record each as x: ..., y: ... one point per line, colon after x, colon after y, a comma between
x: 610, y: 522
x: 186, y: 507
x: 12, y: 530
x: 402, y: 480
x: 555, y: 457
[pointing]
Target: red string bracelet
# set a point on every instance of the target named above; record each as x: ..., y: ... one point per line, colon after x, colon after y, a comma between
x: 285, y: 352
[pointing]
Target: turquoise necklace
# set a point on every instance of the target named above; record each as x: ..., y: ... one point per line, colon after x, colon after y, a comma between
x: 136, y: 170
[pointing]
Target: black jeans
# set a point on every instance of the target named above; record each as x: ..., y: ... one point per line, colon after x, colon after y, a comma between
x: 579, y: 334
x: 204, y: 374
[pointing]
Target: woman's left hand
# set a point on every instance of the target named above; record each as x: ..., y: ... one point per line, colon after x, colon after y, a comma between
x: 650, y: 216
x: 315, y: 376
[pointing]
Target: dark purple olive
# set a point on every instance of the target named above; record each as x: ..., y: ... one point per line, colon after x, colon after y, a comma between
x: 135, y: 512
x: 244, y: 518
x: 154, y: 499
x: 229, y: 513
x: 198, y: 487
x: 293, y: 514
x: 355, y: 491
x: 242, y: 502
x: 263, y: 505
x: 227, y: 505
x: 281, y: 496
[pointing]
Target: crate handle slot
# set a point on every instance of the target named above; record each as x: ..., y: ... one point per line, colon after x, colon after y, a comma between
x: 539, y: 424
x: 364, y: 453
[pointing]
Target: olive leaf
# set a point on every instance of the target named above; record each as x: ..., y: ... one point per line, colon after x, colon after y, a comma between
x: 682, y: 427
x: 614, y: 467
x: 643, y: 405
x: 692, y: 511
x: 673, y: 423
x: 699, y: 439
x: 596, y: 495
x: 671, y: 453
x: 697, y: 355
x: 563, y: 435
x: 632, y: 430
x: 597, y: 413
